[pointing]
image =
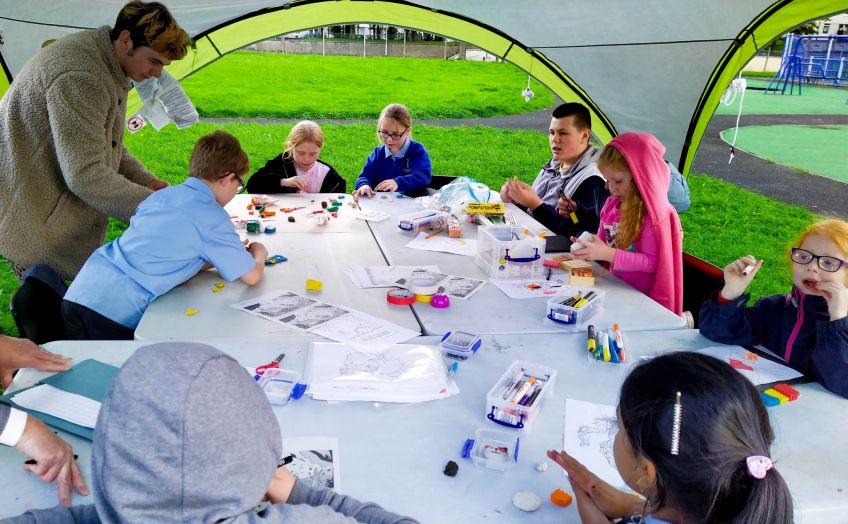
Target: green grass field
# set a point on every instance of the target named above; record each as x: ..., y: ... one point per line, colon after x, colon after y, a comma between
x: 808, y: 148
x: 719, y: 227
x: 815, y: 100
x: 247, y: 84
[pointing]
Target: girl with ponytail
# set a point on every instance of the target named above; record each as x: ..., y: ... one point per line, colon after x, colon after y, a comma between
x: 693, y: 442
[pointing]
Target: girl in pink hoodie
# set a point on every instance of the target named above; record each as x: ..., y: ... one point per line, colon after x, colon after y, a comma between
x: 640, y: 232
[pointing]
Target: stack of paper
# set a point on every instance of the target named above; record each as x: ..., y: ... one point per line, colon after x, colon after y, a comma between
x: 76, y: 409
x: 399, y: 373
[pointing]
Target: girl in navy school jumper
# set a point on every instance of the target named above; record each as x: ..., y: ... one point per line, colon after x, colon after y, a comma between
x: 400, y: 164
x: 693, y: 441
x: 808, y: 327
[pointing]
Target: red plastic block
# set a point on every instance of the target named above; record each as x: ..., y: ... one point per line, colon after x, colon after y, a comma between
x: 789, y: 391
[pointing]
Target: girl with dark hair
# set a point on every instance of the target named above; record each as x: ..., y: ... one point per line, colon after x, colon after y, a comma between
x: 694, y: 441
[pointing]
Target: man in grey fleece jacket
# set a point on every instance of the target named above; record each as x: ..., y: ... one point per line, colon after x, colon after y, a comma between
x: 64, y: 169
x: 185, y: 435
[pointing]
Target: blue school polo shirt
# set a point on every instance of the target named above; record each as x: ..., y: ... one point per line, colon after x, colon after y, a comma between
x: 173, y: 233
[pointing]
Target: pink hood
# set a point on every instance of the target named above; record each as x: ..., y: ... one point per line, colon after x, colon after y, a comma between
x: 644, y: 156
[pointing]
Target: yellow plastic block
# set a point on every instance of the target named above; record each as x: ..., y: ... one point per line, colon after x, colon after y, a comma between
x: 313, y: 285
x: 776, y: 394
x: 190, y: 312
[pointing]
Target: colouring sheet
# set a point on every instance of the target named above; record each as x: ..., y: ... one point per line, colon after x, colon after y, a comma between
x: 517, y: 288
x: 755, y: 368
x: 457, y: 287
x: 337, y: 323
x: 315, y: 461
x: 398, y: 373
x: 590, y: 431
x: 445, y: 244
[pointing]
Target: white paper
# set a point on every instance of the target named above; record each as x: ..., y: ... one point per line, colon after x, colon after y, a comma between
x: 517, y: 288
x: 74, y: 408
x: 398, y: 373
x: 590, y: 431
x: 372, y: 215
x: 461, y: 287
x: 315, y: 461
x: 764, y: 370
x: 362, y: 329
x: 443, y: 244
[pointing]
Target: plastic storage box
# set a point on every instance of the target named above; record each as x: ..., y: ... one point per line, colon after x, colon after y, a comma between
x: 573, y: 314
x: 517, y: 397
x: 425, y: 220
x: 281, y: 386
x: 459, y: 345
x: 506, y: 251
x: 492, y: 448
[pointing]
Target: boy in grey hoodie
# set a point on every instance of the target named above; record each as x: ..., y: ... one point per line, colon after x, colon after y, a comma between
x: 171, y: 447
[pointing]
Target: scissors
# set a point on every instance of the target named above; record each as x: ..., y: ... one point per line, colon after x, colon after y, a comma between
x: 274, y: 364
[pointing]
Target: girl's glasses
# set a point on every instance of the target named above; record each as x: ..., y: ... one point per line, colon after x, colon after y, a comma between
x: 394, y: 136
x: 829, y: 264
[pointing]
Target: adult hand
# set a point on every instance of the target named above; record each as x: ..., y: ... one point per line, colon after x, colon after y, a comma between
x: 735, y: 283
x: 595, y: 249
x: 364, y: 191
x: 157, y: 184
x: 54, y: 459
x: 523, y: 194
x: 836, y: 295
x: 609, y: 500
x: 281, y: 486
x: 16, y: 353
x: 258, y: 250
x: 387, y: 185
x: 505, y: 193
x: 295, y: 182
x: 565, y: 206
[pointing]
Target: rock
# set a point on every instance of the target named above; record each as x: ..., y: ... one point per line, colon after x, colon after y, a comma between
x: 451, y: 468
x: 542, y: 467
x: 526, y: 501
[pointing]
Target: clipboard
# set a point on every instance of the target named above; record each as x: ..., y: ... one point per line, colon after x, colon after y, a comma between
x: 90, y: 378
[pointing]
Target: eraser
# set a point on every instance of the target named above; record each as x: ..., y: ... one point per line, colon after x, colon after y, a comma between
x: 549, y: 262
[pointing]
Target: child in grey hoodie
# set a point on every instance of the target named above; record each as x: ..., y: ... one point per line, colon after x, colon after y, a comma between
x: 185, y: 435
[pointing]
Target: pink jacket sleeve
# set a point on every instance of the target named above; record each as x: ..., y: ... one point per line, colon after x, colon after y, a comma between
x: 644, y: 259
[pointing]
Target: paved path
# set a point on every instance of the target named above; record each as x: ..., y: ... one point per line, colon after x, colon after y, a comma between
x: 815, y: 193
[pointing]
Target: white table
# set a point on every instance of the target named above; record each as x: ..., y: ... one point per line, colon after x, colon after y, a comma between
x: 489, y: 311
x: 394, y: 454
x: 321, y: 254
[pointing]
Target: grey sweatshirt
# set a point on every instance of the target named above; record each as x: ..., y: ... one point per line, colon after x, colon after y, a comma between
x: 186, y: 435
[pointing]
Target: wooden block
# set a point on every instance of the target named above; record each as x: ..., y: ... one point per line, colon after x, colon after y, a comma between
x: 581, y: 281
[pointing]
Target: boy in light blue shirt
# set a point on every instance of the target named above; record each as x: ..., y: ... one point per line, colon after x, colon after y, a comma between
x: 175, y: 233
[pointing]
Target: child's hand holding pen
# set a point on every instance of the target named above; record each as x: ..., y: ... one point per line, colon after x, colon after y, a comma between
x: 567, y: 207
x: 738, y: 276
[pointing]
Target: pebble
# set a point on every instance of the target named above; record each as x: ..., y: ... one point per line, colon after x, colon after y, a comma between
x: 526, y: 501
x: 542, y: 467
x: 451, y: 468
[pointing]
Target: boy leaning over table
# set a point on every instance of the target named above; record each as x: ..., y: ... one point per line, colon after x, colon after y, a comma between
x: 175, y: 233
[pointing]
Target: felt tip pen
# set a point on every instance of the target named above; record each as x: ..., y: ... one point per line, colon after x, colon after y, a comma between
x: 605, y: 346
x: 527, y: 396
x: 534, y: 396
x: 619, y: 341
x: 285, y: 461
x: 515, y: 380
x: 747, y: 270
x: 452, y: 372
x: 524, y: 389
x: 614, y: 358
x: 590, y: 340
x: 32, y: 462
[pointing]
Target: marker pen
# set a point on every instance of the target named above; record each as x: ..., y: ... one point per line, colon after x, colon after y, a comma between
x: 747, y: 270
x: 619, y: 341
x: 515, y: 380
x: 590, y: 340
x: 605, y: 345
x: 522, y: 390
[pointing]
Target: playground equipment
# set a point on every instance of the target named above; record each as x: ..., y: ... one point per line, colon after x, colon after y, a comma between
x: 811, y: 59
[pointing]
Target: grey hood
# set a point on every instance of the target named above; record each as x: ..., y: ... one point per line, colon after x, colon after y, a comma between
x: 184, y: 435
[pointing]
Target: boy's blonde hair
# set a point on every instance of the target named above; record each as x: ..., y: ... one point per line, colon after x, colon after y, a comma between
x: 217, y: 154
x: 633, y: 209
x: 399, y: 114
x: 151, y: 25
x: 303, y: 131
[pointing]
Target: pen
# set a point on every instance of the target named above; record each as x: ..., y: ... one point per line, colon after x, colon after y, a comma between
x: 534, y: 396
x: 285, y: 460
x: 527, y: 396
x: 515, y: 380
x: 619, y: 341
x: 452, y: 371
x: 32, y: 462
x: 571, y: 212
x: 614, y: 358
x: 605, y: 346
x: 591, y: 339
x: 548, y: 275
x: 524, y: 389
x: 747, y: 270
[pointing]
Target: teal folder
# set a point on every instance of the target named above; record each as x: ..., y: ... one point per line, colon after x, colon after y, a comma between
x: 90, y: 378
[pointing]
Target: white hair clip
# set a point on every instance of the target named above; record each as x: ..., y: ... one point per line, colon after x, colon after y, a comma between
x: 675, y: 428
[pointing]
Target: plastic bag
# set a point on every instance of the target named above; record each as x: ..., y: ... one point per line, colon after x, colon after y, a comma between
x: 453, y: 197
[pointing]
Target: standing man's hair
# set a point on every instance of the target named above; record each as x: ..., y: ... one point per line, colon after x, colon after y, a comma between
x: 151, y: 25
x: 582, y: 117
x: 216, y: 155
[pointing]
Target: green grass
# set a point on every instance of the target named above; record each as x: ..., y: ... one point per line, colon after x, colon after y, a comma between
x: 808, y: 148
x: 246, y: 84
x: 724, y: 222
x: 815, y: 100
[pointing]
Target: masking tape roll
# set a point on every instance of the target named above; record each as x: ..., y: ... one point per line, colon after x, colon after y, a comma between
x: 424, y: 298
x: 423, y: 286
x: 401, y: 297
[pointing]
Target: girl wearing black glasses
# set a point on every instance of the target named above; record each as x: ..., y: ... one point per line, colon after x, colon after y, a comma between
x: 400, y: 164
x: 809, y: 326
